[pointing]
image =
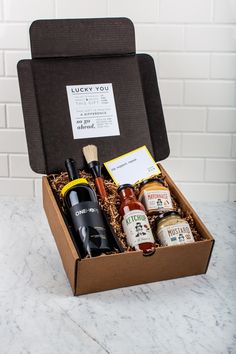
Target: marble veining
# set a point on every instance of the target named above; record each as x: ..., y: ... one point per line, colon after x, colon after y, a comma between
x: 39, y: 315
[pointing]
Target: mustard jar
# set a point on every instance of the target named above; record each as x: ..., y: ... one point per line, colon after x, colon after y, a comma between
x: 173, y: 230
x: 155, y: 196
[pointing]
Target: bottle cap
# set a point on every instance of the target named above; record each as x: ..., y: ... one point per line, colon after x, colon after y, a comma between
x: 73, y: 183
x: 168, y: 213
x: 123, y: 186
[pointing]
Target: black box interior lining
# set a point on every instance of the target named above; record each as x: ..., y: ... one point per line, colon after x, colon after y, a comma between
x: 51, y: 76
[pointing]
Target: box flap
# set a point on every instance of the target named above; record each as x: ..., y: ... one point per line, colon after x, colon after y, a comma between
x: 83, y: 37
x: 58, y: 62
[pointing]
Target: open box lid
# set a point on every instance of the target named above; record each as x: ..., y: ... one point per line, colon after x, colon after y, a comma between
x: 88, y: 52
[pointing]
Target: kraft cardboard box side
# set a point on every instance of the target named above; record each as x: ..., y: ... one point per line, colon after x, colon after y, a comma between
x: 129, y: 268
x: 67, y: 52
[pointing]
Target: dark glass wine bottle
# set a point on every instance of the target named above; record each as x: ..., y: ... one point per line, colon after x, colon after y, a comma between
x: 81, y: 202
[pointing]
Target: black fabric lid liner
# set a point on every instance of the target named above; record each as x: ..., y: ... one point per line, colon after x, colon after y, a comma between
x: 83, y: 37
x: 44, y: 100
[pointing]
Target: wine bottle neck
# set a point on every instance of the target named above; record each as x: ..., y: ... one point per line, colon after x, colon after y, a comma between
x: 71, y: 169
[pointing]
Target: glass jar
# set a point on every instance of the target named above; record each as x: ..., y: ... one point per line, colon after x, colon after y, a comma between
x: 155, y: 196
x: 173, y: 230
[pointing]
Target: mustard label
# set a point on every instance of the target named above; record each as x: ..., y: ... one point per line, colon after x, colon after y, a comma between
x: 157, y: 200
x: 175, y: 234
x: 137, y: 228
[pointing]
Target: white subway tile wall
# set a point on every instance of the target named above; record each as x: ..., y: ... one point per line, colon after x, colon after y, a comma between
x: 137, y: 10
x: 14, y: 115
x: 205, y: 192
x: 223, y: 66
x: 12, y: 140
x: 171, y: 92
x: 185, y: 11
x: 11, y: 60
x: 26, y: 10
x: 210, y: 93
x: 9, y: 90
x: 223, y: 13
x: 184, y: 65
x: 2, y: 116
x: 221, y: 120
x: 234, y: 146
x: 1, y: 64
x: 1, y: 9
x: 194, y: 48
x: 220, y: 170
x: 14, y: 36
x: 159, y: 37
x: 210, y: 38
x: 232, y: 192
x: 3, y: 165
x: 80, y: 8
x: 38, y: 187
x: 19, y: 166
x: 204, y: 145
x: 185, y: 169
x: 187, y: 118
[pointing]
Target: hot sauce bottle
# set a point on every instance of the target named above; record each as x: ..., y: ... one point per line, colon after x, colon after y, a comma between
x: 81, y: 202
x: 135, y: 222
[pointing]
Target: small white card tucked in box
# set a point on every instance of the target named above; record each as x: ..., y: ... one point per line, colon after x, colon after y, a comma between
x: 132, y: 167
x: 92, y: 110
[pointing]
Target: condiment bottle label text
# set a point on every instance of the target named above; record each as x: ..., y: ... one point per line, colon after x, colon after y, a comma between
x: 137, y: 228
x: 175, y: 234
x: 155, y: 200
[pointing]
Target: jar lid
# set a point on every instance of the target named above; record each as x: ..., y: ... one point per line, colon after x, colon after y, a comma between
x: 123, y: 186
x: 152, y: 179
x: 168, y: 213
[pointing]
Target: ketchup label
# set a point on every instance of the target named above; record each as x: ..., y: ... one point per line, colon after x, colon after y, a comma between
x: 137, y: 228
x: 156, y: 200
x: 175, y: 234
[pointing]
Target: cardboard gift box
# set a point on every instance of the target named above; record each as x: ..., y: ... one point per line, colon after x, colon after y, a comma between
x: 88, y: 52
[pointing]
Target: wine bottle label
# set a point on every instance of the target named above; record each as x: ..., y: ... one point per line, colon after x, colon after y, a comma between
x: 88, y: 221
x: 137, y: 228
x: 156, y: 200
x: 175, y: 234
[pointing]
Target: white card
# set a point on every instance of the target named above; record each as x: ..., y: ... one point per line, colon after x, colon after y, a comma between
x: 92, y: 111
x: 132, y: 167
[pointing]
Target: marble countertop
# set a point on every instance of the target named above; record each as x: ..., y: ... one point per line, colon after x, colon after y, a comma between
x: 39, y: 315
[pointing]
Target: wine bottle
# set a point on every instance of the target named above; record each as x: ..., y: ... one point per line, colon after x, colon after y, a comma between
x: 86, y: 215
